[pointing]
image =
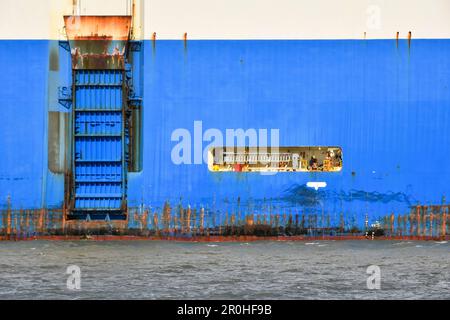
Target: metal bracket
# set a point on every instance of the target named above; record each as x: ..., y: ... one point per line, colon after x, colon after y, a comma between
x: 65, y: 45
x: 134, y: 100
x: 135, y: 46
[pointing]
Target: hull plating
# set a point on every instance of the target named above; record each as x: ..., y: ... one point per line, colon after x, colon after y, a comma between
x: 386, y: 104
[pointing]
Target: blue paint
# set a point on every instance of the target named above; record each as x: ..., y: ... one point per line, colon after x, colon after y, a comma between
x: 99, y: 147
x: 387, y: 107
x: 23, y: 133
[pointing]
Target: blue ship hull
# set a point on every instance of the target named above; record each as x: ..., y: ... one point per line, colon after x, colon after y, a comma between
x: 386, y: 103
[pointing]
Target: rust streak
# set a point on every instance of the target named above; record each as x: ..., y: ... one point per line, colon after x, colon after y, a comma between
x: 154, y: 42
x: 409, y: 41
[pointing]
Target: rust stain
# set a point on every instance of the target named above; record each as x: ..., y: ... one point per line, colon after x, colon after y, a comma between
x: 8, y: 217
x: 144, y: 219
x: 154, y: 42
x: 188, y: 220
x: 425, y: 222
x: 97, y: 27
x: 155, y: 223
x: 392, y: 223
x: 418, y: 220
x: 133, y: 13
x: 411, y: 223
x: 444, y: 223
x: 409, y: 41
x: 431, y: 223
x: 98, y: 42
x: 64, y: 216
x: 74, y: 6
x: 202, y: 220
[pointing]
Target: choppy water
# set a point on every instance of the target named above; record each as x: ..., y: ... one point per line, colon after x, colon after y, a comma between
x: 256, y: 270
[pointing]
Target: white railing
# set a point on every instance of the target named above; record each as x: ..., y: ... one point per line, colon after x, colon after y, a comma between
x: 255, y: 157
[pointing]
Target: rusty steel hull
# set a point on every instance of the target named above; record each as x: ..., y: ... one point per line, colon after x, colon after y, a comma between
x: 422, y: 223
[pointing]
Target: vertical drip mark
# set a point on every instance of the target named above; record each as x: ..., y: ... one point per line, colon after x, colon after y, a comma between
x: 396, y: 39
x: 133, y: 5
x: 76, y: 7
x: 185, y: 42
x: 8, y: 216
x: 409, y: 42
x: 444, y: 223
x: 154, y: 42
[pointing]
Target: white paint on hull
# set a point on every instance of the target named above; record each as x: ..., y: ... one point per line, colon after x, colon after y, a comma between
x: 239, y: 19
